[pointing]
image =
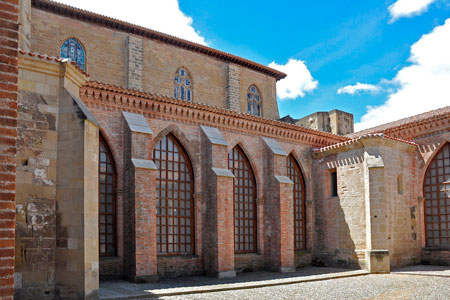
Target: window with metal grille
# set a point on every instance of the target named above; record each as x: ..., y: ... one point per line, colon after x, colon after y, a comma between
x: 72, y: 49
x: 107, y: 201
x: 244, y: 202
x: 174, y: 198
x: 437, y: 199
x: 295, y: 174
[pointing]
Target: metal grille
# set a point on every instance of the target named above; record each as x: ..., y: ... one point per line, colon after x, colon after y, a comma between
x: 437, y: 199
x: 295, y: 174
x: 175, y: 205
x: 107, y: 202
x: 244, y: 202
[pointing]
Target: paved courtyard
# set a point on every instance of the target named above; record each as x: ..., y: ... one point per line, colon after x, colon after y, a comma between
x: 419, y: 282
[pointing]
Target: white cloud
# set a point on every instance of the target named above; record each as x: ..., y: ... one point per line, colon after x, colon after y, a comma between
x: 422, y: 86
x: 164, y: 16
x: 408, y: 8
x: 358, y: 88
x: 297, y: 82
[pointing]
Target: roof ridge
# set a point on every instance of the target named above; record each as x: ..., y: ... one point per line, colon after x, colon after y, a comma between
x: 74, y: 12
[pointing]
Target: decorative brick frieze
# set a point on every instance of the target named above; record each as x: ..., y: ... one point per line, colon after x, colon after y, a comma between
x: 161, y: 107
x: 135, y: 62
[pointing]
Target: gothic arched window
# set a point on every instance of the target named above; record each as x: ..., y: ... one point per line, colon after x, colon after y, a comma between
x: 253, y: 101
x: 107, y: 202
x: 437, y: 199
x: 295, y: 174
x: 174, y: 198
x: 72, y: 49
x: 245, y: 220
x: 182, y: 85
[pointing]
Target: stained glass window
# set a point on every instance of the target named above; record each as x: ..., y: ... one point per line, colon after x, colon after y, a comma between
x: 183, y: 85
x: 174, y: 198
x: 107, y: 202
x: 437, y: 199
x: 244, y: 202
x: 72, y: 49
x: 253, y: 101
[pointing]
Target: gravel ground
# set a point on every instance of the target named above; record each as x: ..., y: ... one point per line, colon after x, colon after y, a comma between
x: 364, y: 287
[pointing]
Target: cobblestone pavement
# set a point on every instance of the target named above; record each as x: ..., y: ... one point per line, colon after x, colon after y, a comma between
x: 373, y: 287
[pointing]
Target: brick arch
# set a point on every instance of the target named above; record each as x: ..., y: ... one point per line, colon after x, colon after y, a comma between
x: 300, y: 214
x: 430, y: 159
x: 257, y: 172
x: 188, y: 146
x: 435, y: 203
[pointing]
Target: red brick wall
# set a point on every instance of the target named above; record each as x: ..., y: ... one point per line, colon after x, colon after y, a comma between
x: 8, y: 133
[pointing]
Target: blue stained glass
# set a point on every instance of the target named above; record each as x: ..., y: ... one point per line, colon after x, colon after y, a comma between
x: 249, y: 108
x: 259, y: 110
x: 253, y: 89
x: 249, y: 96
x: 175, y: 92
x: 177, y: 79
x: 182, y: 72
x: 182, y: 92
x: 187, y: 82
x: 188, y: 94
x: 73, y: 50
x: 256, y: 97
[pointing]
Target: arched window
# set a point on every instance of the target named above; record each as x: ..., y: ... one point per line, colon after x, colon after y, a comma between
x: 72, y: 49
x: 295, y: 174
x: 174, y: 198
x: 253, y: 101
x: 244, y: 202
x: 182, y: 85
x: 437, y: 199
x: 107, y: 202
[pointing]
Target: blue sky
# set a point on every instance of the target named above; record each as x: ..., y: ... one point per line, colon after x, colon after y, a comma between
x: 333, y: 44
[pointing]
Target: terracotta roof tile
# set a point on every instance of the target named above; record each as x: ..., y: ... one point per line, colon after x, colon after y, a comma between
x: 405, y: 122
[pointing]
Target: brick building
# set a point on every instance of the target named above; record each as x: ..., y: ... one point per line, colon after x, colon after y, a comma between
x: 147, y: 156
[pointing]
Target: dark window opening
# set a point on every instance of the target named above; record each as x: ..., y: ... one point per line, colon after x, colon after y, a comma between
x: 334, y: 186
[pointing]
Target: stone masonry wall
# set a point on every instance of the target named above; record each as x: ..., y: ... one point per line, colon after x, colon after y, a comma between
x: 135, y: 61
x: 232, y: 88
x: 108, y: 61
x: 8, y: 133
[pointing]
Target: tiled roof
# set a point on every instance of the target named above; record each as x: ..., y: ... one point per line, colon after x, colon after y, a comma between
x: 53, y: 58
x: 443, y: 112
x: 83, y: 15
x: 357, y: 139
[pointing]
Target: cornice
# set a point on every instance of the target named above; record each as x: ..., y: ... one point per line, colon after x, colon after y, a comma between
x: 103, y: 96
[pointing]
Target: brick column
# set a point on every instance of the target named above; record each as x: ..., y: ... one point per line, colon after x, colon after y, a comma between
x: 278, y: 208
x: 140, y: 256
x: 377, y: 253
x: 135, y: 62
x: 8, y: 135
x: 233, y: 88
x: 219, y: 222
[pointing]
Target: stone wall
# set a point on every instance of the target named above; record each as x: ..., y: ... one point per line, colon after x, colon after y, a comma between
x: 369, y: 224
x: 9, y: 36
x: 57, y: 190
x: 125, y: 60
